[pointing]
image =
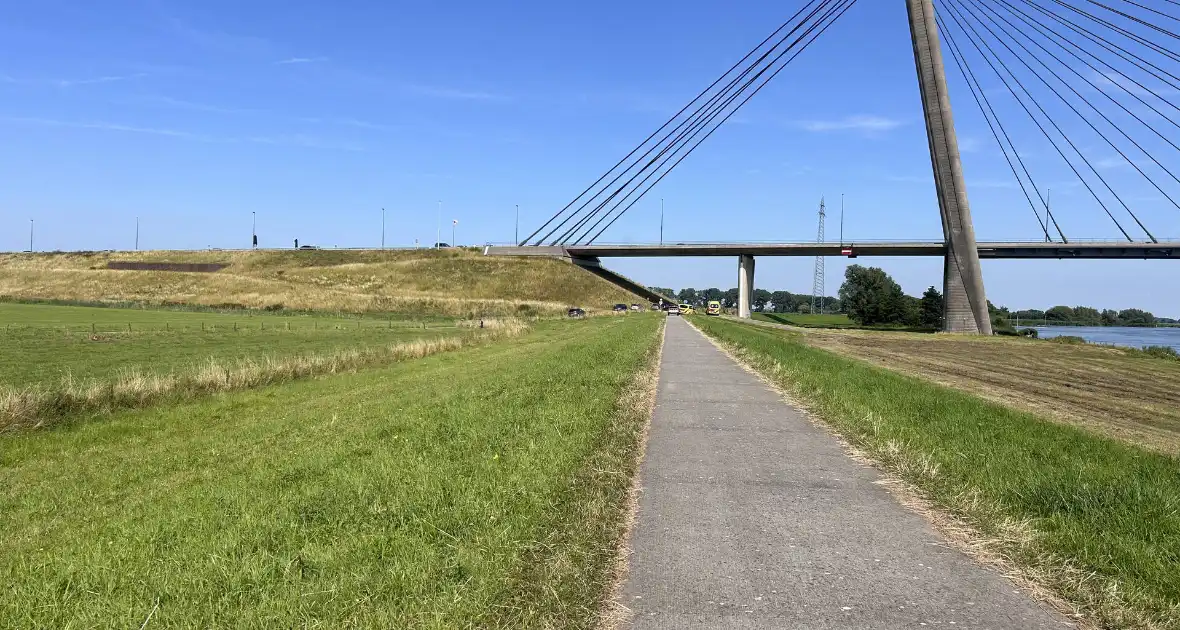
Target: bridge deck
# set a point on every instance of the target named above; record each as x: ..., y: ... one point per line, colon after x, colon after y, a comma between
x: 1032, y: 250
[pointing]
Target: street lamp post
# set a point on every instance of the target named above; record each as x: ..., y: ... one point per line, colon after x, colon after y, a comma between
x: 454, y: 223
x: 661, y: 221
x: 383, y: 228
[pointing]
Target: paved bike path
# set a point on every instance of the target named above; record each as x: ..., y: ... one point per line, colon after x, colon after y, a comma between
x: 752, y: 517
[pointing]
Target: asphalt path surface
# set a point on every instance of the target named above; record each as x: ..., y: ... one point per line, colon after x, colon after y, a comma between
x: 752, y: 517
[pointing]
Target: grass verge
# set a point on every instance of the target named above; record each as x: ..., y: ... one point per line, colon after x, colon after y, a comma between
x: 43, y: 343
x: 478, y: 488
x: 1094, y: 520
x: 41, y: 404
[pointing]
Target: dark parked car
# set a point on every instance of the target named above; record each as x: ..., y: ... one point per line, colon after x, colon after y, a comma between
x: 441, y: 246
x: 620, y: 308
x: 576, y: 312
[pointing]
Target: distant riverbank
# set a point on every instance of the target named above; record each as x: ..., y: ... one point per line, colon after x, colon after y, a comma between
x: 1125, y: 336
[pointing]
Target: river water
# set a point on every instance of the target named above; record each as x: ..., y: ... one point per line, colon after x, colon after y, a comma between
x: 1116, y: 335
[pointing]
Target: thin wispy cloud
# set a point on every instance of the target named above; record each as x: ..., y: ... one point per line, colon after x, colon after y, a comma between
x: 970, y: 144
x: 1108, y: 163
x: 69, y: 83
x: 1115, y: 84
x: 290, y: 140
x: 451, y: 93
x: 910, y: 179
x: 219, y: 41
x: 106, y: 126
x: 300, y: 60
x: 1001, y: 184
x: 155, y: 100
x: 862, y: 123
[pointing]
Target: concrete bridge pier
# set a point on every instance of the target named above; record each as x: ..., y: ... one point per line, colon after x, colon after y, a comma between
x: 965, y: 307
x: 745, y: 284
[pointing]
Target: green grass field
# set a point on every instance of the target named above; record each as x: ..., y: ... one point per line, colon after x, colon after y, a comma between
x: 477, y: 488
x: 42, y: 343
x: 1094, y: 519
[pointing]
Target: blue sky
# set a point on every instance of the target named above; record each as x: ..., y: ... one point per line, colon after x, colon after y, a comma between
x: 315, y: 115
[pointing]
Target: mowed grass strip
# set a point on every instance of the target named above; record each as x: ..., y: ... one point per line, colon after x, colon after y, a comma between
x: 45, y: 343
x: 426, y: 494
x: 826, y: 320
x: 1095, y: 520
x: 40, y: 404
x: 1117, y: 392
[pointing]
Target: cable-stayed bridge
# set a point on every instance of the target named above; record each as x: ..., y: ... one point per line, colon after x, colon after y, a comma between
x: 1090, y: 76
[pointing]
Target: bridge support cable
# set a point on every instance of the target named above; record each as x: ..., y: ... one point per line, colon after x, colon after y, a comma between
x: 813, y: 32
x: 1129, y: 56
x: 1143, y: 22
x: 980, y: 44
x: 1161, y: 50
x: 671, y: 121
x: 1066, y: 44
x: 684, y: 143
x: 986, y: 108
x: 703, y: 116
x: 967, y: 5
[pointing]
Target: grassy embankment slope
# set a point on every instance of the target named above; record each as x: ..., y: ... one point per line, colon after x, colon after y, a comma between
x: 454, y: 282
x: 1093, y: 519
x: 476, y: 488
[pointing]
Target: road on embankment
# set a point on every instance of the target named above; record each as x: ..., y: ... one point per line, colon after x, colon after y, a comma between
x: 751, y: 516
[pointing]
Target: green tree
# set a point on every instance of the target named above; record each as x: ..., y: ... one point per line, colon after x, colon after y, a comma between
x: 731, y: 298
x: 871, y: 296
x: 1136, y: 317
x: 712, y: 294
x: 1087, y: 316
x: 1062, y: 314
x: 930, y: 309
x: 688, y: 296
x: 1110, y: 317
x: 760, y: 298
x: 670, y: 294
x: 783, y: 301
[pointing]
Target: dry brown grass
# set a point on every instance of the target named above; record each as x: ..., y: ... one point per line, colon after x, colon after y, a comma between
x: 40, y: 405
x: 451, y: 282
x: 1132, y: 398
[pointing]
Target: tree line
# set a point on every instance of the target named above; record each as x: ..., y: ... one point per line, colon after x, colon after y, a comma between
x: 762, y: 300
x: 871, y: 297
